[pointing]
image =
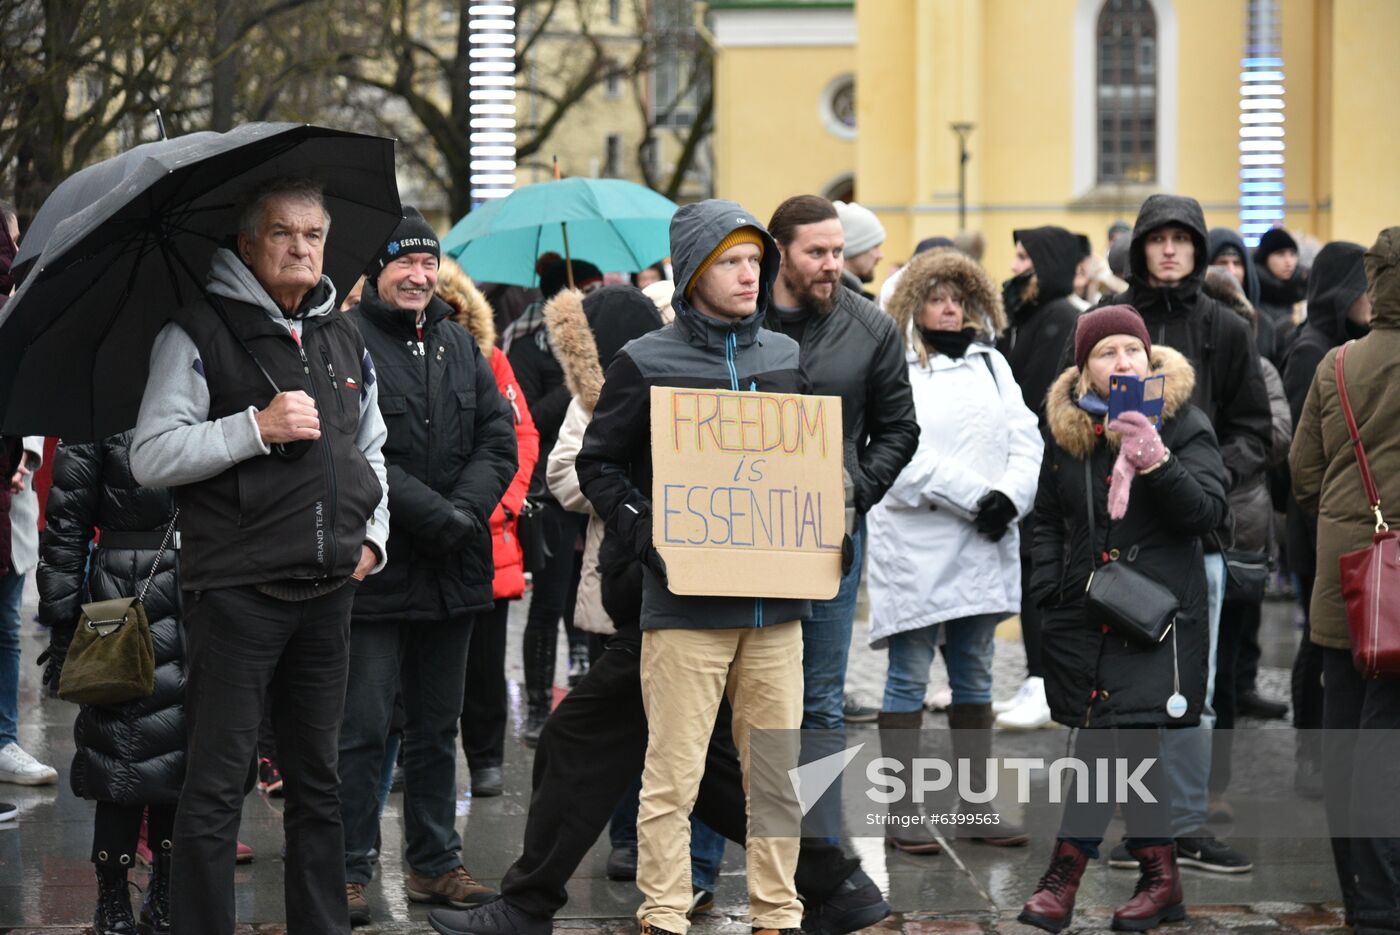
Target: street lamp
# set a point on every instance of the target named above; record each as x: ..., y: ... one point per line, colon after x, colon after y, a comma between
x: 963, y: 130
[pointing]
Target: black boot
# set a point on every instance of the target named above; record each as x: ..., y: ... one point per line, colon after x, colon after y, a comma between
x: 972, y: 740
x: 538, y: 651
x: 155, y: 908
x: 899, y: 738
x: 113, y: 915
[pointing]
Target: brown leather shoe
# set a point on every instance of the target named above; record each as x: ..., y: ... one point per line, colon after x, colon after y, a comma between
x: 1051, y: 906
x: 648, y: 929
x: 359, y: 905
x: 1158, y: 897
x: 455, y: 888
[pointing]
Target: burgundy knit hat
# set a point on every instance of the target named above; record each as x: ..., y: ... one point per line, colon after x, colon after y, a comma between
x: 1103, y: 323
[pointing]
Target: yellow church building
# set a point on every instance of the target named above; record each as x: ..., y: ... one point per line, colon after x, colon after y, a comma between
x: 1070, y: 112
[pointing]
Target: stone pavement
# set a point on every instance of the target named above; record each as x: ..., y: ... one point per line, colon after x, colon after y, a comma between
x: 46, y: 882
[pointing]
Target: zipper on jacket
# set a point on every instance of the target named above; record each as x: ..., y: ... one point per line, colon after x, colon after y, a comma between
x: 731, y: 342
x: 335, y: 388
x: 328, y: 510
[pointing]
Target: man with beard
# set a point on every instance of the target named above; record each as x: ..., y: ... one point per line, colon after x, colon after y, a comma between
x: 850, y: 349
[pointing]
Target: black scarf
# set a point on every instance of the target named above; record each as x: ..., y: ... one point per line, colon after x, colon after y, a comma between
x: 952, y: 344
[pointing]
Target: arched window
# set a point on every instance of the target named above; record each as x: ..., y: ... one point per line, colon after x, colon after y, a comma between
x: 1126, y: 78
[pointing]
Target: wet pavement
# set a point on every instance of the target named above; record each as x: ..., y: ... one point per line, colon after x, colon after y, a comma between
x: 46, y: 882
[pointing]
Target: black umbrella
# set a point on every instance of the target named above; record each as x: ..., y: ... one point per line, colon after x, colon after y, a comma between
x: 121, y: 245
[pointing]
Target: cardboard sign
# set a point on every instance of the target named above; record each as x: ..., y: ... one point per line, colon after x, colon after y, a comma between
x: 747, y: 492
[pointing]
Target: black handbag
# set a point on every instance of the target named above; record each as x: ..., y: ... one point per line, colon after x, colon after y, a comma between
x: 1247, y: 574
x: 530, y: 530
x: 1122, y: 598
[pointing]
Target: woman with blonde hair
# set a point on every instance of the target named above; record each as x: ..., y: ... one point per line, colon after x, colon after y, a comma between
x: 944, y: 544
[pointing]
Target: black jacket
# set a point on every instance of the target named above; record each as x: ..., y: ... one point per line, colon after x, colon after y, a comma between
x: 614, y: 465
x: 541, y: 381
x: 451, y: 447
x: 1337, y: 280
x: 1229, y: 385
x: 1040, y: 321
x: 270, y: 519
x: 132, y: 753
x: 1099, y: 679
x: 853, y: 352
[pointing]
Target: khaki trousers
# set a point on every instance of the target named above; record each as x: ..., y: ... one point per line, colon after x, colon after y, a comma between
x: 685, y: 674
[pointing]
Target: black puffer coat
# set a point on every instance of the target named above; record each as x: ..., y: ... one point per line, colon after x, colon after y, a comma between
x: 451, y: 446
x: 1040, y: 316
x: 132, y: 753
x: 1099, y: 679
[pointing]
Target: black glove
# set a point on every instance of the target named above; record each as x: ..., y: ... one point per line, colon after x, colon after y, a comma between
x: 848, y: 554
x: 52, y: 660
x: 463, y: 529
x: 995, y: 512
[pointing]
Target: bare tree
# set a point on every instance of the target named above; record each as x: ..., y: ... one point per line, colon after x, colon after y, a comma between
x: 675, y: 95
x: 74, y: 74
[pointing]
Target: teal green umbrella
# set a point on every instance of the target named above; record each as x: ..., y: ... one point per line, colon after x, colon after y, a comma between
x: 617, y: 226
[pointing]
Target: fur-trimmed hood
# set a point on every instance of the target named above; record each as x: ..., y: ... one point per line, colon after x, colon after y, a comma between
x: 588, y: 332
x: 1223, y: 288
x: 469, y: 307
x: 574, y: 346
x: 1078, y: 433
x: 982, y: 306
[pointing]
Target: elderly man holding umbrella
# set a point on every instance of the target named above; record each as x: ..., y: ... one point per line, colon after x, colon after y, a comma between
x: 261, y: 412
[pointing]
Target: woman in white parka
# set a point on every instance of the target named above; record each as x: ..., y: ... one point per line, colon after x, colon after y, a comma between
x: 944, y: 552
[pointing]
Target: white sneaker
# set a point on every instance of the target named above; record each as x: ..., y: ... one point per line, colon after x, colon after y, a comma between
x: 1021, y: 695
x: 1032, y: 713
x: 20, y: 768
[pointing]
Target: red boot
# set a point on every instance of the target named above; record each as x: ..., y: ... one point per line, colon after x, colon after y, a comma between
x: 1158, y: 897
x: 1051, y: 906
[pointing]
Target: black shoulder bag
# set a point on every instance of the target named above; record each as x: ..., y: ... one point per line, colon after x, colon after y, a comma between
x: 1121, y: 597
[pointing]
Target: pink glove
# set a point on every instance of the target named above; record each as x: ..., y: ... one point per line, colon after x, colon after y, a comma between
x: 1123, y: 474
x: 1142, y: 446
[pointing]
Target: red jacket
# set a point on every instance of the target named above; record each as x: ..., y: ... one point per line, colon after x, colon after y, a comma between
x: 509, y: 582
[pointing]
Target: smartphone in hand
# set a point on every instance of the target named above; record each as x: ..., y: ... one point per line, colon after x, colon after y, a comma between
x: 1129, y: 393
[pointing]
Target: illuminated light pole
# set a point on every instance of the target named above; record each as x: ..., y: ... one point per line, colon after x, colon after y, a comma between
x: 492, y: 95
x: 1261, y: 123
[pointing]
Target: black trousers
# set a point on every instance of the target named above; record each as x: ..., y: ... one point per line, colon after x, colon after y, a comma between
x: 551, y: 598
x: 1237, y: 619
x: 1360, y: 777
x: 117, y: 828
x: 591, y: 752
x: 484, y: 707
x: 244, y: 648
x: 1307, y: 670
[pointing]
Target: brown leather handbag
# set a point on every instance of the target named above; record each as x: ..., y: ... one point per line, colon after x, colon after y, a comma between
x: 1371, y: 576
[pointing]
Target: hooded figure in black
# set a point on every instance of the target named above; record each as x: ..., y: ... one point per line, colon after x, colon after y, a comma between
x: 1224, y: 241
x: 1040, y: 316
x: 1337, y: 282
x: 1229, y: 385
x: 1278, y: 296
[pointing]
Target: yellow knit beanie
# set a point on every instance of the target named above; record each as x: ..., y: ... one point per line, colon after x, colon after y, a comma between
x: 733, y: 239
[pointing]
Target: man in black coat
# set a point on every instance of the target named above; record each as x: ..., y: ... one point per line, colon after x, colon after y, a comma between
x: 450, y: 453
x: 1167, y: 265
x: 1041, y: 318
x: 849, y: 348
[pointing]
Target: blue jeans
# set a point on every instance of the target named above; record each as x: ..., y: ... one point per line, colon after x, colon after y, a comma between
x: 1186, y: 752
x: 706, y: 854
x: 11, y: 595
x: 968, y: 652
x: 826, y: 645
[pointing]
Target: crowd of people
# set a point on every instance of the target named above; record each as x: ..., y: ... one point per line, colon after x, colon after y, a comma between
x: 329, y: 503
